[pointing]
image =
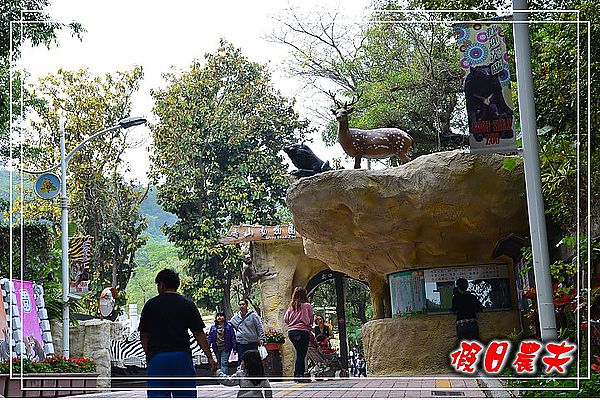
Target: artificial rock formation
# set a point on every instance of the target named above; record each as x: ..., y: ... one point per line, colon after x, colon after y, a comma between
x: 407, y: 335
x: 89, y: 339
x: 293, y: 268
x: 439, y: 210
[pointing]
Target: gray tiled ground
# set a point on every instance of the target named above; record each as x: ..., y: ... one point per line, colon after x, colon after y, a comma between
x: 344, y: 388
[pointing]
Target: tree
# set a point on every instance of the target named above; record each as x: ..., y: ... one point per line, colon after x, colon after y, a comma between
x: 221, y: 127
x: 102, y: 203
x: 43, y: 32
x: 406, y: 73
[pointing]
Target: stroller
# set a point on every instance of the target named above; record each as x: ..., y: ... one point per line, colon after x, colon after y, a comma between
x: 323, y: 360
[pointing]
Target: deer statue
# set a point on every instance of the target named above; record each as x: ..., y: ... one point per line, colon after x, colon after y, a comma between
x: 372, y: 143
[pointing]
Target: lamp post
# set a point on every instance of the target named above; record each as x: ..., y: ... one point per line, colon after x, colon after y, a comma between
x: 533, y: 184
x: 64, y: 205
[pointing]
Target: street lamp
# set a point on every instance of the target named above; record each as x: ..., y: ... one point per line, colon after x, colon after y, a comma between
x: 64, y: 205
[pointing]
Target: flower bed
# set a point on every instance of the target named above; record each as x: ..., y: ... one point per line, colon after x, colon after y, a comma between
x: 55, y: 376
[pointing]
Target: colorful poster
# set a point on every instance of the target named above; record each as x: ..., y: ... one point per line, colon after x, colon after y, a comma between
x: 407, y: 292
x: 4, y: 335
x: 484, y: 63
x: 79, y: 255
x: 30, y: 323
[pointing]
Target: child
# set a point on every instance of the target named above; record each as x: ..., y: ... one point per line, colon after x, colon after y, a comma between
x: 250, y: 377
x: 361, y: 366
x: 221, y: 338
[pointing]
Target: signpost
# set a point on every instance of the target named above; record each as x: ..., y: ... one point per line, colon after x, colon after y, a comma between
x: 47, y: 186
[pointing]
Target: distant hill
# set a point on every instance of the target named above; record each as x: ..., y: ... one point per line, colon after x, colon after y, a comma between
x: 156, y: 216
x: 149, y: 208
x: 5, y: 183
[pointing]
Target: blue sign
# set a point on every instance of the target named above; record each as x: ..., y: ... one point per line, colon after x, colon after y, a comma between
x: 47, y: 186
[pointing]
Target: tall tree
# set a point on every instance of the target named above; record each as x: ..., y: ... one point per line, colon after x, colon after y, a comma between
x: 103, y: 203
x: 405, y: 71
x: 42, y: 32
x: 216, y: 156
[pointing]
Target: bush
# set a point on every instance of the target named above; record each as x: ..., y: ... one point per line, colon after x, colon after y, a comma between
x: 54, y: 364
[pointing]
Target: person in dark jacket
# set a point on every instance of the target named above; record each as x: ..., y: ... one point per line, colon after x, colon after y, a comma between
x: 466, y: 305
x: 221, y: 338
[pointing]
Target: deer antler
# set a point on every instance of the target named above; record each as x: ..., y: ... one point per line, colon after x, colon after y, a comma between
x: 354, y: 100
x: 332, y: 95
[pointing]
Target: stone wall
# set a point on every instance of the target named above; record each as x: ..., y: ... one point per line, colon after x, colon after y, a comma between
x: 90, y: 339
x: 422, y: 344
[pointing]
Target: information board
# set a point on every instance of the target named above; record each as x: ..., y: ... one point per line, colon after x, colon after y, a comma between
x: 470, y: 273
x: 407, y: 292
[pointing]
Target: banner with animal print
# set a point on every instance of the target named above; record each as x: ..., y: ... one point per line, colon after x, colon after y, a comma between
x: 30, y: 323
x: 484, y: 63
x: 79, y: 255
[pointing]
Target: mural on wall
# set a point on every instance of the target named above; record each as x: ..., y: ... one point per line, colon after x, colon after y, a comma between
x: 484, y: 63
x: 30, y: 324
x: 26, y: 315
x: 79, y: 255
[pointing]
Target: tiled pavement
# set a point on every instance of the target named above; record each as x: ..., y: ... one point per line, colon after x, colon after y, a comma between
x: 342, y: 388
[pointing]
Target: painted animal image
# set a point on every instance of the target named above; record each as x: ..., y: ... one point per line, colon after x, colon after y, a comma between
x: 371, y: 143
x: 485, y: 101
x: 35, y: 351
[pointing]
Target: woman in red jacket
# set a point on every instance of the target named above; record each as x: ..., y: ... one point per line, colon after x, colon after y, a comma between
x: 299, y: 318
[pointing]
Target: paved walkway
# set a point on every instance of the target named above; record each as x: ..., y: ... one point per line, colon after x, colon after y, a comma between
x: 342, y: 388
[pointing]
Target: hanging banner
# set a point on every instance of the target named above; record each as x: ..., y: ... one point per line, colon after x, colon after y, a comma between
x: 79, y: 255
x: 484, y: 63
x: 30, y: 323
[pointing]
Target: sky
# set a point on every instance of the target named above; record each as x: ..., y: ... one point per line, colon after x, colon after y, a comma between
x: 123, y: 33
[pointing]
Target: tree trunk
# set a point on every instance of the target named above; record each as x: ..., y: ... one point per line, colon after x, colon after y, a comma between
x: 226, y: 302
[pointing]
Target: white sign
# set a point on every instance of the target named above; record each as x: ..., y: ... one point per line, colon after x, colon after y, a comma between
x: 471, y: 273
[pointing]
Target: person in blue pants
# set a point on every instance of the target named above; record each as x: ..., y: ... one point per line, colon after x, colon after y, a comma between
x: 164, y: 326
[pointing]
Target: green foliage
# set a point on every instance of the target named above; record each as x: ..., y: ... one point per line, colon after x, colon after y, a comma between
x: 359, y: 308
x: 407, y: 73
x: 150, y: 259
x: 54, y: 364
x: 102, y: 203
x: 221, y: 128
x: 155, y: 216
x: 43, y: 32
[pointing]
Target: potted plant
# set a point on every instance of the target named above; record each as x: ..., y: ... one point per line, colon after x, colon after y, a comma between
x: 273, y: 339
x: 72, y: 375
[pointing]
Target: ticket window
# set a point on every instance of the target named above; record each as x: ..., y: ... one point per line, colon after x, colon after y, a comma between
x: 490, y: 284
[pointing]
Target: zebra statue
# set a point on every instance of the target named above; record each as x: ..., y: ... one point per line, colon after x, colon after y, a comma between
x: 129, y: 351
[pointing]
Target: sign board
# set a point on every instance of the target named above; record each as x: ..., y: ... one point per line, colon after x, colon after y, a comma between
x: 407, y: 292
x: 470, y: 273
x: 30, y: 323
x: 484, y: 63
x: 79, y: 257
x: 249, y: 233
x: 47, y: 186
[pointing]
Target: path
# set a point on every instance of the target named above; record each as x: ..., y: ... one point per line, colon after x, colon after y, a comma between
x: 342, y: 388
